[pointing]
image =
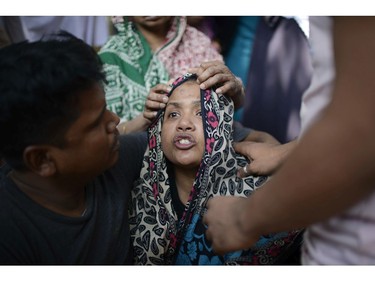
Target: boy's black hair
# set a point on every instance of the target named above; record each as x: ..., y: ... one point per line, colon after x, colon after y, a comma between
x: 40, y: 84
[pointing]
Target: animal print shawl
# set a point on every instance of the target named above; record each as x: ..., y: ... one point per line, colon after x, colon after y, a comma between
x: 158, y: 236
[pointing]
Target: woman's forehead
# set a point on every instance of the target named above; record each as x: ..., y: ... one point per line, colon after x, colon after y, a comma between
x: 190, y: 87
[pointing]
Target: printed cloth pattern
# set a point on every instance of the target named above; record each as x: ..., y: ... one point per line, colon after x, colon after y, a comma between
x: 132, y: 69
x: 157, y: 234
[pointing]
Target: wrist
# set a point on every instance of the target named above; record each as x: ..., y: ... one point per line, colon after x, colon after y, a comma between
x: 239, y: 95
x: 146, y: 122
x: 122, y: 128
x: 246, y: 226
x: 287, y: 148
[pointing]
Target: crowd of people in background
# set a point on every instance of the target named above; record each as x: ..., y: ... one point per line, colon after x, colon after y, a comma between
x: 164, y: 48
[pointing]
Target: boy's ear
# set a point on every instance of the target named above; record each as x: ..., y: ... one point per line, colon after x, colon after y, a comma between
x: 38, y: 158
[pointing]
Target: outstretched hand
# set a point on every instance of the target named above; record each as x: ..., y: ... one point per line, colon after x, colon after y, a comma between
x: 265, y: 158
x: 217, y: 74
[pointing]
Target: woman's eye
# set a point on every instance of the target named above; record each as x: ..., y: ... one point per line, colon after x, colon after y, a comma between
x: 172, y: 114
x: 199, y: 113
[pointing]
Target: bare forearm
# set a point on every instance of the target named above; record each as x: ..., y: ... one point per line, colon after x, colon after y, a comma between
x: 333, y: 166
x: 260, y: 136
x: 316, y: 183
x: 137, y: 124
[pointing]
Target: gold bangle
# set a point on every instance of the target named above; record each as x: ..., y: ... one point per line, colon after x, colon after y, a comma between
x: 122, y: 128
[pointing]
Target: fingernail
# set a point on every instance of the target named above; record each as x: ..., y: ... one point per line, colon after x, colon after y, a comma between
x: 202, y: 86
x: 218, y: 91
x: 165, y: 99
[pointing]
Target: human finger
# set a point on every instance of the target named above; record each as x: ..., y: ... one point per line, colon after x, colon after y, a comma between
x: 195, y: 70
x: 218, y: 81
x: 244, y: 171
x: 208, y: 64
x: 198, y: 70
x: 151, y: 105
x: 211, y: 76
x: 151, y: 109
x: 203, y: 66
x: 150, y: 115
x: 161, y: 89
x: 155, y: 100
x: 159, y: 94
x: 242, y: 147
x: 227, y: 86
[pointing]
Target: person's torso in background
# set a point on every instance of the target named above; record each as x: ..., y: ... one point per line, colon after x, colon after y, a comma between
x: 349, y: 237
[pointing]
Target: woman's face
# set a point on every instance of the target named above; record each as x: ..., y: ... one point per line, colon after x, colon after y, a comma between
x: 152, y: 22
x: 182, y: 134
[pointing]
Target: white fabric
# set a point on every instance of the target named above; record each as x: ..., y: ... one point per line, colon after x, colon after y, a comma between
x: 318, y: 95
x: 350, y: 237
x: 94, y: 30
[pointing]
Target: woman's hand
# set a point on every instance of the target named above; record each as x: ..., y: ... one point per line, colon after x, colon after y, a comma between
x: 217, y: 74
x: 156, y: 99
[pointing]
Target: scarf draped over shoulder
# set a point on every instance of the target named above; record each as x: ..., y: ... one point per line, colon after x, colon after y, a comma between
x: 132, y: 69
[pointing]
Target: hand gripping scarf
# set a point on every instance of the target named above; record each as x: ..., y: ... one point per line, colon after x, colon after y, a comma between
x: 132, y: 69
x: 158, y: 236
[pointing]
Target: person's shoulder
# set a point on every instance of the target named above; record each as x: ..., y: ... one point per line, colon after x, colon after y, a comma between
x: 138, y: 137
x: 203, y: 44
x: 132, y: 149
x: 114, y: 46
x: 5, y: 195
x: 133, y: 145
x: 4, y: 170
x: 196, y: 34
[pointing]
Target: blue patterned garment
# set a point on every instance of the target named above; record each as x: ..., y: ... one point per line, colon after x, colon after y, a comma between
x: 158, y: 235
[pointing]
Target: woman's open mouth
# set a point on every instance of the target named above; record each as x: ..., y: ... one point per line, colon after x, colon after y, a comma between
x: 184, y: 141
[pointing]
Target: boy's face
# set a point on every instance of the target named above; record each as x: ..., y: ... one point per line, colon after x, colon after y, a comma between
x: 182, y: 134
x: 91, y: 142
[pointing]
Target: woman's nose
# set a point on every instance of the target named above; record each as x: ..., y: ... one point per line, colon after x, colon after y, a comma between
x: 185, y: 124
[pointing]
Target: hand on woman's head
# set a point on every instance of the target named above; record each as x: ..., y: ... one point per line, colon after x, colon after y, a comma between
x: 217, y: 75
x: 156, y: 99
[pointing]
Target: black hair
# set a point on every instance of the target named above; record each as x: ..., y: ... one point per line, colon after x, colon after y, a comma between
x: 40, y: 84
